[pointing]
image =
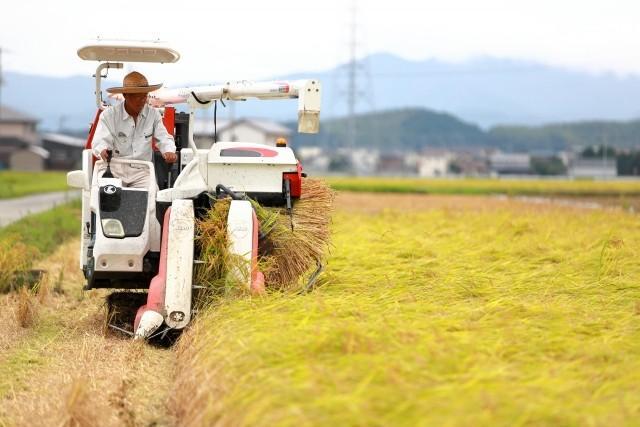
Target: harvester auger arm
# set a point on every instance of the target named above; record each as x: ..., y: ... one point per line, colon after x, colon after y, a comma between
x: 306, y: 91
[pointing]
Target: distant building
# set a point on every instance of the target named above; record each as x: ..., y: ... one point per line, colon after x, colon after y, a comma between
x: 364, y: 161
x: 313, y: 159
x: 393, y: 164
x: 18, y: 125
x: 508, y: 163
x: 593, y: 168
x: 65, y: 152
x: 469, y: 164
x: 19, y: 142
x: 33, y: 159
x: 433, y: 163
x: 243, y: 130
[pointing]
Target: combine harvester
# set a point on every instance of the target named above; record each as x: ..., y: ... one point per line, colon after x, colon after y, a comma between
x: 143, y: 238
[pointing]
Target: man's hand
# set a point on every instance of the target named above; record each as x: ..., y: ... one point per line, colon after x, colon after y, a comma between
x: 170, y: 157
x: 103, y: 155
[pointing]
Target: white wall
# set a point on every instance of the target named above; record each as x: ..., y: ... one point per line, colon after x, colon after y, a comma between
x: 25, y: 160
x: 433, y: 166
x: 24, y: 131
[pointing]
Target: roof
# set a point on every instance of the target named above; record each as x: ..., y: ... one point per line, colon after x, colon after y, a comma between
x: 267, y: 126
x: 10, y: 143
x: 594, y: 163
x: 510, y: 158
x: 128, y: 51
x: 205, y: 126
x: 202, y: 126
x: 39, y: 151
x: 9, y: 115
x: 63, y: 139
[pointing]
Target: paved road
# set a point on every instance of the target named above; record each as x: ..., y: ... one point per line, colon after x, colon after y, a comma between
x: 13, y: 209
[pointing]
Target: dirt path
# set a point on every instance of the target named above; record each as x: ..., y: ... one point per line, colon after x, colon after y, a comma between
x: 65, y: 368
x: 13, y: 209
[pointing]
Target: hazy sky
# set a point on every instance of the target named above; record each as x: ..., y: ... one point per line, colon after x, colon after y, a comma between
x: 257, y: 39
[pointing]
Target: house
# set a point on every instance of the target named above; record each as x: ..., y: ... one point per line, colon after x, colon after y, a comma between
x: 510, y: 163
x: 19, y: 142
x: 313, y: 158
x: 433, y: 163
x: 245, y: 130
x: 65, y: 152
x: 469, y: 163
x: 393, y: 164
x: 364, y: 161
x: 593, y: 168
x: 18, y: 125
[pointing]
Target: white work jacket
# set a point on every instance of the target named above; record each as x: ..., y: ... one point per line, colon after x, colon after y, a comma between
x: 118, y: 131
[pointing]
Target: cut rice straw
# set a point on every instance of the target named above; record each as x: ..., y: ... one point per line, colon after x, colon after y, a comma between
x: 286, y: 253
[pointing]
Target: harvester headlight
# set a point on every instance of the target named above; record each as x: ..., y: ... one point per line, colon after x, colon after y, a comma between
x: 112, y: 228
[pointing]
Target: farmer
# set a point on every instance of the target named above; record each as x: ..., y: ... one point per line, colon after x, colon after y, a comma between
x: 127, y: 129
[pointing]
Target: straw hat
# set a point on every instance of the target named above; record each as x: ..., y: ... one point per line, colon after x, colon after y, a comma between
x: 134, y: 82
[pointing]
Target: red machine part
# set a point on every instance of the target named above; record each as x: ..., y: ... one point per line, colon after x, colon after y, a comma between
x: 169, y: 120
x: 155, y: 297
x: 92, y: 129
x: 295, y: 179
x: 257, y: 278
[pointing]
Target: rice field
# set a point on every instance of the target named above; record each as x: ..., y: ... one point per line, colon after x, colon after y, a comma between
x: 433, y: 311
x: 484, y: 186
x: 32, y: 238
x: 17, y: 184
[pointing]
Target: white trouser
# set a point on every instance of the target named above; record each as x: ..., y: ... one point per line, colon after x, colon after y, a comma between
x: 131, y: 174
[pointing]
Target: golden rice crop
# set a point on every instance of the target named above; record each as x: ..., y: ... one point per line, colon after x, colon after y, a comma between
x: 213, y: 247
x: 541, y: 187
x: 294, y: 245
x: 491, y: 316
x: 15, y: 259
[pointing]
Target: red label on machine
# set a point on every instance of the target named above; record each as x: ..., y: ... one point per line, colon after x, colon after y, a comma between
x: 247, y: 152
x: 283, y: 88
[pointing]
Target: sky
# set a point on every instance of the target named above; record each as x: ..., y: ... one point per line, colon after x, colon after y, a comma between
x: 250, y: 39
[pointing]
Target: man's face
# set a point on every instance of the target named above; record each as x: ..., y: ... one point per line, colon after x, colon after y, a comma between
x: 135, y: 102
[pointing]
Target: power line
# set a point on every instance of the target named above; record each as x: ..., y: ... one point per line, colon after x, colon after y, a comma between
x: 351, y: 84
x: 1, y: 82
x: 448, y: 72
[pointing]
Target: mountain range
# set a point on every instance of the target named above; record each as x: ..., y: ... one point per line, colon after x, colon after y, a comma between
x: 484, y: 91
x: 416, y: 129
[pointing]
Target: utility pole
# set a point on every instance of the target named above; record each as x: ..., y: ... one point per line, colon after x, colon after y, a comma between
x: 1, y: 82
x: 2, y: 51
x: 355, y: 71
x: 351, y: 83
x: 604, y: 154
x: 62, y: 120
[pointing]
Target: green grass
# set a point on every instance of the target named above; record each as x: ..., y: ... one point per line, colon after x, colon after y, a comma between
x: 44, y: 231
x: 17, y: 184
x: 442, y: 317
x: 480, y: 186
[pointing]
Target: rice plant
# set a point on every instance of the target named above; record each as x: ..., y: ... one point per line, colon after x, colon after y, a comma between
x: 501, y: 315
